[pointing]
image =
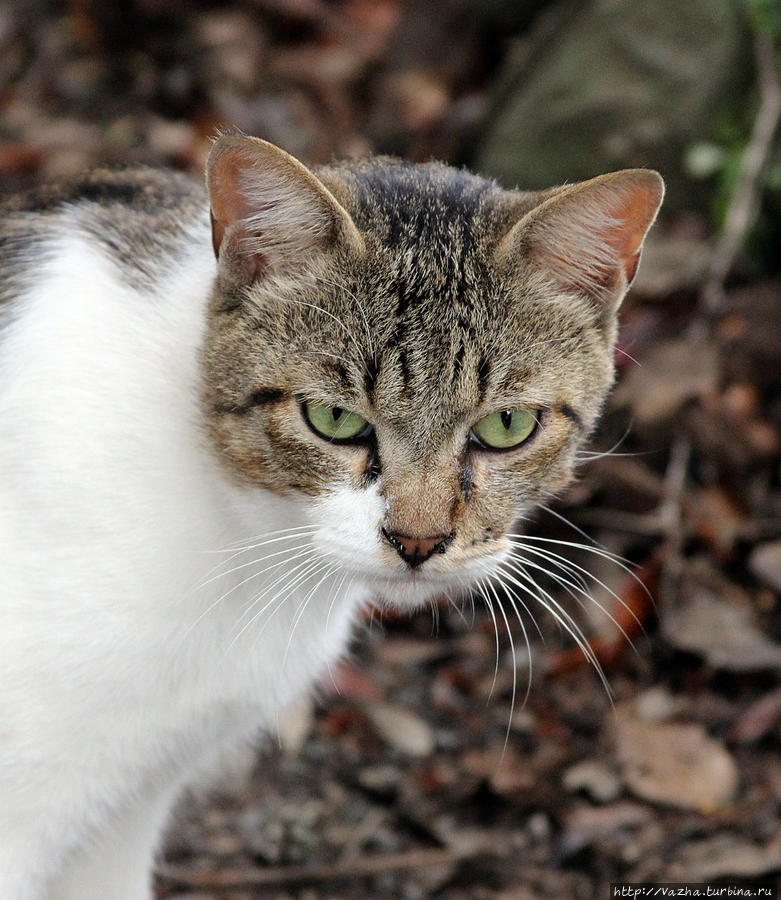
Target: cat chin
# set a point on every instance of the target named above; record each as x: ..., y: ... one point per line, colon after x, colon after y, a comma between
x: 408, y: 596
x: 413, y: 590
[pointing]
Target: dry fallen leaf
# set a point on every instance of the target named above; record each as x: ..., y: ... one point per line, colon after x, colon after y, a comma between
x: 671, y: 373
x: 724, y: 856
x: 715, y: 627
x: 402, y: 729
x: 675, y: 765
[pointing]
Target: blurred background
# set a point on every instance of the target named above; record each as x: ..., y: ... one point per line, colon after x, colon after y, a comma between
x: 414, y: 774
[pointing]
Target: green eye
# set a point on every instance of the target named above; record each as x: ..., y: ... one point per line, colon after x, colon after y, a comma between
x: 506, y: 429
x: 334, y: 423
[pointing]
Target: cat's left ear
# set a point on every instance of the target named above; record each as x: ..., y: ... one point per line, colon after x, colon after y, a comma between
x: 270, y: 214
x: 587, y: 237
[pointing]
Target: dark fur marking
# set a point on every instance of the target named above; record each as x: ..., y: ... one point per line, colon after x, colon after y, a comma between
x: 458, y: 360
x: 514, y: 378
x: 413, y: 201
x: 370, y: 376
x: 483, y: 377
x: 408, y: 297
x: 405, y: 370
x: 339, y: 371
x: 397, y: 338
x: 467, y: 326
x: 373, y: 467
x: 261, y: 397
x: 566, y: 410
x: 404, y: 299
x: 465, y: 478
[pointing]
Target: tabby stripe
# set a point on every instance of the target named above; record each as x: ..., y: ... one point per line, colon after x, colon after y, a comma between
x: 371, y: 374
x: 373, y: 467
x: 483, y: 377
x: 261, y: 397
x: 405, y: 370
x: 566, y: 410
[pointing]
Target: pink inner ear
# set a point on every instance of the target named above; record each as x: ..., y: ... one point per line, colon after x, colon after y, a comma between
x: 636, y: 213
x: 630, y: 267
x: 218, y: 233
x: 592, y: 236
x: 228, y: 203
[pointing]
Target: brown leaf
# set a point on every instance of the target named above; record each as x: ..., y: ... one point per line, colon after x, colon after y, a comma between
x: 718, y: 518
x: 630, y: 610
x: 675, y: 765
x: 713, y: 619
x: 725, y: 855
x: 671, y: 373
x: 352, y: 683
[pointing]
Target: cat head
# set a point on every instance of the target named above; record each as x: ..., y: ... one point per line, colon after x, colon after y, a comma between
x: 413, y: 352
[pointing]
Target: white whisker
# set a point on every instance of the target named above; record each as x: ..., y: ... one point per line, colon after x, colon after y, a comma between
x: 620, y: 561
x: 573, y: 569
x: 358, y: 303
x: 512, y: 598
x: 562, y: 518
x: 336, y: 591
x: 592, y: 455
x: 290, y: 580
x: 330, y: 569
x: 297, y: 551
x: 565, y: 620
x: 252, y: 562
x: 514, y: 658
x: 330, y: 315
x: 246, y: 543
x: 489, y: 606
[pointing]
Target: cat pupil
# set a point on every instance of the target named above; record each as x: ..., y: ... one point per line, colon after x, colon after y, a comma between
x: 336, y: 412
x: 507, y: 417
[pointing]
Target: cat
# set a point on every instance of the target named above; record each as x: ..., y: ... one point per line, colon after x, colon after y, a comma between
x: 228, y: 423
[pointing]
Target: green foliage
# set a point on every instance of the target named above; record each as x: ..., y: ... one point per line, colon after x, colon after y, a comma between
x: 765, y: 15
x: 719, y: 161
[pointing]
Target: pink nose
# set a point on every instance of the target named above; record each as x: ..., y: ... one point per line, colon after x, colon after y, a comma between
x: 416, y: 550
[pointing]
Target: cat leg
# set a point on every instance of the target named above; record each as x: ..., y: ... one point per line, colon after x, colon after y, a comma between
x: 117, y: 864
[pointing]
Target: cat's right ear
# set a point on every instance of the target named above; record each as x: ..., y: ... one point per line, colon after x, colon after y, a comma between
x: 587, y: 237
x: 269, y: 213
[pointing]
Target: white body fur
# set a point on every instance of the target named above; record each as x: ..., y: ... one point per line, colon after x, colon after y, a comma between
x: 121, y: 671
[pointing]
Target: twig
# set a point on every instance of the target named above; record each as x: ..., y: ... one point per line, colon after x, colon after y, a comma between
x: 362, y: 867
x: 745, y: 199
x: 670, y: 514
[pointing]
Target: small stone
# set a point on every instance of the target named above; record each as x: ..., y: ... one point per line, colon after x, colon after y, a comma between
x: 655, y: 705
x: 402, y: 729
x: 539, y: 827
x: 765, y: 563
x: 382, y: 780
x: 593, y: 778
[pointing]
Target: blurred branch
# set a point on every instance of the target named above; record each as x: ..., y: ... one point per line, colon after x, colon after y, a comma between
x: 746, y: 195
x: 362, y: 867
x: 670, y: 513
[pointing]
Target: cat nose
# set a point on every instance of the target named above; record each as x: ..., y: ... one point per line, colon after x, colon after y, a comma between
x: 416, y: 550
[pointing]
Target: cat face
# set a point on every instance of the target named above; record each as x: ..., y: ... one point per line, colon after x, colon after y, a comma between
x: 413, y: 350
